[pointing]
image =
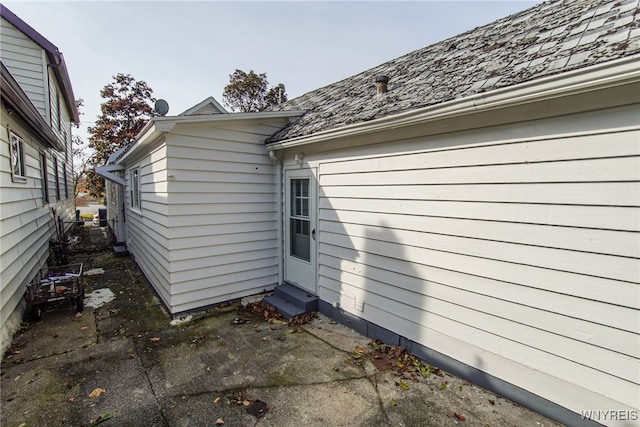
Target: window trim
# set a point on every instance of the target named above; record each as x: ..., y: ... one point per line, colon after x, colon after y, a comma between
x: 56, y: 172
x: 16, y: 148
x: 65, y: 180
x: 45, y: 176
x: 135, y: 190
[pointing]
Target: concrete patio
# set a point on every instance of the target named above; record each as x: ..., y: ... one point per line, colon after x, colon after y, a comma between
x: 124, y: 364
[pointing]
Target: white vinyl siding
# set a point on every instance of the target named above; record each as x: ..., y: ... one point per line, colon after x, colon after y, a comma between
x: 27, y: 206
x: 27, y: 63
x: 514, y: 249
x: 60, y: 119
x: 222, y: 210
x: 26, y: 220
x: 147, y: 232
x: 206, y: 232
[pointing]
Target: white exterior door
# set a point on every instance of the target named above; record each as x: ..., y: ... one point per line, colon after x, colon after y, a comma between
x: 300, y: 229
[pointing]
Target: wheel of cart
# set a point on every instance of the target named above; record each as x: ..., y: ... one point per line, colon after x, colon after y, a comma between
x: 55, y: 284
x: 35, y: 313
x: 79, y: 304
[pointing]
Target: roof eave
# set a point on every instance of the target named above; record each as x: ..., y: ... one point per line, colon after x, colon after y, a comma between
x: 17, y: 100
x: 149, y: 134
x: 614, y: 73
x: 161, y: 125
x: 180, y: 119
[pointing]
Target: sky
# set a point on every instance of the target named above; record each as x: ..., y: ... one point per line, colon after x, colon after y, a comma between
x: 186, y: 50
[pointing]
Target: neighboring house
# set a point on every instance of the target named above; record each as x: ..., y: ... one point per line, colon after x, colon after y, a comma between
x: 36, y: 191
x: 199, y: 210
x: 477, y: 201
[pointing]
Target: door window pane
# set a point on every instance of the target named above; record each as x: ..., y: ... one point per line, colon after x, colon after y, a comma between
x: 300, y: 197
x: 300, y: 241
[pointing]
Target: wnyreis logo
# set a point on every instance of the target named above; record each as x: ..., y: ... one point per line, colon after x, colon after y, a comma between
x: 610, y: 415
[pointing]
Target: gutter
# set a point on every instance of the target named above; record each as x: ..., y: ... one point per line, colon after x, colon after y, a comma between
x: 614, y: 73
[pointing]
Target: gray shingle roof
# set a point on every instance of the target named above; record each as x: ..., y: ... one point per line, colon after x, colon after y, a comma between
x: 550, y: 38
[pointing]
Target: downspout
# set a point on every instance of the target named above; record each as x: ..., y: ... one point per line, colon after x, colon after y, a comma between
x: 279, y: 249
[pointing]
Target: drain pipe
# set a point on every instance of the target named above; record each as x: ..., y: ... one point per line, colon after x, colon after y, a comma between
x: 274, y: 158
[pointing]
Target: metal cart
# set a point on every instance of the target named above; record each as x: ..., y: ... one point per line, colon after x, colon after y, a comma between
x: 55, y: 284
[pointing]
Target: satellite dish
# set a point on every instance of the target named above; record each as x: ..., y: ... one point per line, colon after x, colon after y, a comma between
x: 161, y: 107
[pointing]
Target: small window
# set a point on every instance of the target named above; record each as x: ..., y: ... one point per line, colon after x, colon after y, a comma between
x: 135, y: 188
x: 113, y: 193
x: 57, y: 176
x: 45, y: 178
x: 66, y: 146
x: 18, y: 170
x: 64, y: 181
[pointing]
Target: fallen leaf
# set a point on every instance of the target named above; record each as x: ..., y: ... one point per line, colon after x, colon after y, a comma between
x: 97, y: 392
x: 403, y: 385
x: 101, y: 418
x: 246, y: 402
x: 18, y: 360
x: 219, y: 421
x: 443, y: 386
x: 216, y: 400
x: 393, y: 402
x: 85, y: 327
x: 71, y: 399
x: 154, y: 339
x: 459, y: 416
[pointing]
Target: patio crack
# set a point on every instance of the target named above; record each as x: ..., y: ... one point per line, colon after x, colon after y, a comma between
x: 153, y: 390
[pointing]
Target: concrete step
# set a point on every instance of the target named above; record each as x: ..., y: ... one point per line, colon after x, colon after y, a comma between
x: 285, y: 308
x: 120, y: 251
x: 298, y: 297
